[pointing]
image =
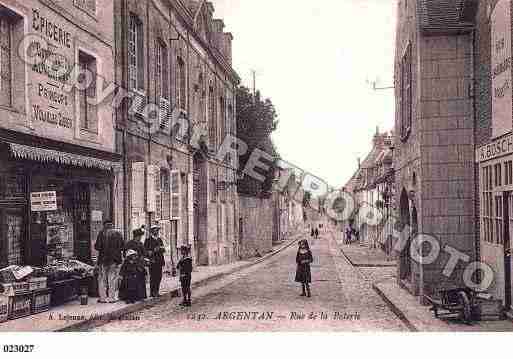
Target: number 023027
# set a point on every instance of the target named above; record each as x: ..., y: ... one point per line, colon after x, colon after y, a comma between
x: 22, y: 348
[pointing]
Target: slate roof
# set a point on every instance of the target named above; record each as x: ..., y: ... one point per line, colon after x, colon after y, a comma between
x: 442, y: 16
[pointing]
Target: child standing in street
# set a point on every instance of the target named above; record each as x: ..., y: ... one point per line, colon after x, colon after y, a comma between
x: 303, y: 274
x: 185, y: 268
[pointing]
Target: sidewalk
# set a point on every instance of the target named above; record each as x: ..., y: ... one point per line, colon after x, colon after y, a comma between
x: 381, y: 274
x: 420, y: 318
x: 361, y: 256
x: 72, y: 315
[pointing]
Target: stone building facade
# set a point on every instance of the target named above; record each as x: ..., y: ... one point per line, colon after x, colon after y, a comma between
x: 434, y: 126
x: 370, y: 188
x: 494, y: 142
x: 175, y: 55
x: 59, y: 167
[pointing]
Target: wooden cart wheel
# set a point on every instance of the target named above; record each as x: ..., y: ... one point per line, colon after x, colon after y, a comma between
x: 467, y: 310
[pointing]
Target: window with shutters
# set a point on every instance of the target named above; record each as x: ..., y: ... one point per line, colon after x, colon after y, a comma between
x: 176, y: 195
x: 158, y: 196
x: 487, y: 208
x: 212, y: 119
x: 135, y: 54
x: 231, y: 121
x: 202, y: 97
x: 88, y: 113
x: 181, y: 77
x: 406, y: 95
x: 222, y: 118
x: 213, y: 190
x: 161, y: 66
x: 5, y: 61
x: 163, y: 195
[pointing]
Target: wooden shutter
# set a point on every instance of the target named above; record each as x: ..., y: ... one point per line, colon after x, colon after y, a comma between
x: 5, y: 62
x: 176, y: 195
x: 151, y: 204
x: 140, y: 54
x: 165, y: 192
x: 138, y: 185
x: 137, y: 195
x: 190, y: 206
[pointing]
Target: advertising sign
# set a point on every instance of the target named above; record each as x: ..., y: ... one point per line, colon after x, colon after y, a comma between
x: 501, y: 69
x: 43, y: 201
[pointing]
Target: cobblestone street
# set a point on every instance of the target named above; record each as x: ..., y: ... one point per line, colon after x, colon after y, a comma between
x: 269, y: 288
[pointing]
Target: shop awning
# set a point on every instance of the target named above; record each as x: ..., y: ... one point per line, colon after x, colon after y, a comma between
x: 64, y: 158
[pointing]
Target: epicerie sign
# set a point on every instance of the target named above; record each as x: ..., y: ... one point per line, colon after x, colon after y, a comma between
x: 43, y: 201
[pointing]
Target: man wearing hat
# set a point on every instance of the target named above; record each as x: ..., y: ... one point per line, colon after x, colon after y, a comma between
x: 155, y: 250
x: 110, y: 246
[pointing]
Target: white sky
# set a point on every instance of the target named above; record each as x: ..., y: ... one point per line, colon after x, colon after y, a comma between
x: 313, y: 58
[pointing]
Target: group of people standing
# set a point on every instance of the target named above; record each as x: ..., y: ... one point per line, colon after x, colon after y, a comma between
x: 124, y: 267
x: 351, y: 235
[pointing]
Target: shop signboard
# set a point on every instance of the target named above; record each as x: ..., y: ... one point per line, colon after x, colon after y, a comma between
x: 43, y: 201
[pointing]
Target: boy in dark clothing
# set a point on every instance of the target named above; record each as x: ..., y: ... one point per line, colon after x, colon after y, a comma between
x: 185, y: 268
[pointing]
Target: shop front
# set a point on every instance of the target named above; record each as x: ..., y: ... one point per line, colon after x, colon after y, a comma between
x: 52, y: 208
x: 52, y: 205
x: 496, y: 184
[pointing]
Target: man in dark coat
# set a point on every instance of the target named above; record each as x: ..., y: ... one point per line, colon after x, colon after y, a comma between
x: 155, y: 250
x: 110, y: 247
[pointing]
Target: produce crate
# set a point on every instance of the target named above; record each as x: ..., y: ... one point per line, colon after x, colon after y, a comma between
x: 63, y: 291
x: 4, y: 308
x: 20, y: 306
x: 37, y: 283
x: 15, y: 288
x: 41, y: 301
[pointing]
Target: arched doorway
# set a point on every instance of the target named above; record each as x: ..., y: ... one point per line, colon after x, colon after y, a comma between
x: 199, y: 200
x: 405, y: 258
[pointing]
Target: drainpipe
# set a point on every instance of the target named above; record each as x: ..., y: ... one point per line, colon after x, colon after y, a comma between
x: 472, y: 95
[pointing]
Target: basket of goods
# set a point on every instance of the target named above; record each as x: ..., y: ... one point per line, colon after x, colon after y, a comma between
x: 14, y: 273
x: 41, y: 301
x: 15, y: 288
x: 37, y: 283
x: 4, y: 308
x: 20, y: 306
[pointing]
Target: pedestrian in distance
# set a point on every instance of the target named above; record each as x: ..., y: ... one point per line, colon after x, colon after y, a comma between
x: 316, y: 233
x: 110, y: 247
x: 184, y: 266
x: 303, y: 273
x: 348, y: 235
x: 133, y: 278
x: 155, y: 250
x: 312, y: 233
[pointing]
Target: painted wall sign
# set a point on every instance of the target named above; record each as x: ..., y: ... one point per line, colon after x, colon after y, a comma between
x: 52, y: 109
x: 501, y: 69
x: 43, y: 201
